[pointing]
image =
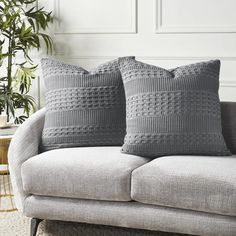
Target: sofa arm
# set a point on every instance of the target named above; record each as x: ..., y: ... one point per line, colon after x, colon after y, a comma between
x: 24, y: 145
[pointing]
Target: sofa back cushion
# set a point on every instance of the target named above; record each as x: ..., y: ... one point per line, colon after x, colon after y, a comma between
x: 82, y: 108
x: 228, y: 115
x: 171, y: 112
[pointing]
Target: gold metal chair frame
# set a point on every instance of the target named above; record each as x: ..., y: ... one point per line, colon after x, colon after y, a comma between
x: 5, y: 182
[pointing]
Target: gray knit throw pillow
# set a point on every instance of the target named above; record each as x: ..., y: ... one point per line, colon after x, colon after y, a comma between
x: 172, y: 112
x: 83, y: 108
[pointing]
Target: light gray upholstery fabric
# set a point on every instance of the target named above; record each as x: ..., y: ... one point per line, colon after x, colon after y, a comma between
x: 202, y: 183
x: 101, y: 173
x: 171, y: 112
x: 23, y: 146
x: 228, y: 115
x: 130, y: 214
x: 83, y: 108
x: 127, y: 214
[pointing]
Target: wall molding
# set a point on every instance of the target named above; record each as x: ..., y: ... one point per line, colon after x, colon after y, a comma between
x: 77, y: 30
x: 228, y: 83
x: 160, y: 28
x: 154, y: 58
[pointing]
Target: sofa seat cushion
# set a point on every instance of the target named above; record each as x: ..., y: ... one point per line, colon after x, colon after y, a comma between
x: 101, y: 173
x: 202, y: 183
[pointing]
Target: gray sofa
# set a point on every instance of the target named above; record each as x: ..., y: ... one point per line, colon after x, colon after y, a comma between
x: 100, y: 185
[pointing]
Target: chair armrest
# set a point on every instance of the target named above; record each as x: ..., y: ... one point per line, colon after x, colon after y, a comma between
x: 24, y: 145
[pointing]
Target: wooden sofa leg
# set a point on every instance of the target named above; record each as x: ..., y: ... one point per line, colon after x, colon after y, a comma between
x: 34, y: 226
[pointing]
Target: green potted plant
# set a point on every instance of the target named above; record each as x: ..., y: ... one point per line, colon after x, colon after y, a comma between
x: 21, y: 23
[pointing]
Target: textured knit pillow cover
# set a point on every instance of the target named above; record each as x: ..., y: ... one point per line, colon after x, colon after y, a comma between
x: 83, y: 108
x: 171, y: 112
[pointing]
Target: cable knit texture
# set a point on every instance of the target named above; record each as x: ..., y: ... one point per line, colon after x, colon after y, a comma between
x: 83, y: 108
x: 172, y: 112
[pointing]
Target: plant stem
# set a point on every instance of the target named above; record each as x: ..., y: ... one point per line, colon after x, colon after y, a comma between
x: 9, y: 66
x: 9, y: 72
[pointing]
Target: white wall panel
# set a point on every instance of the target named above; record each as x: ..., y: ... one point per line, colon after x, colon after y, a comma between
x: 167, y: 33
x: 93, y: 16
x: 193, y: 16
